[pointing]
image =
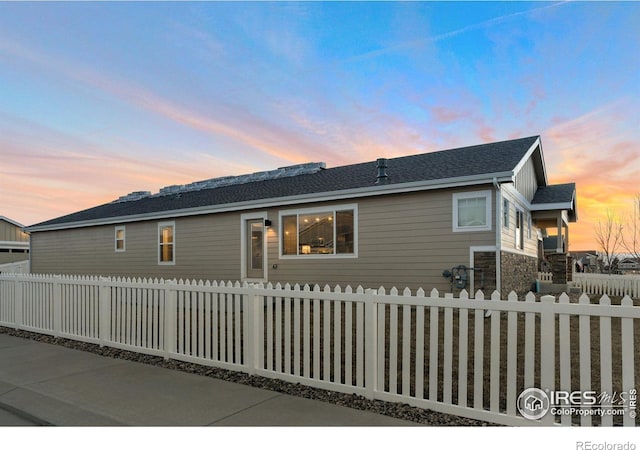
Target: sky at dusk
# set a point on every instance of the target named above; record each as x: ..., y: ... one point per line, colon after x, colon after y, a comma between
x: 101, y: 99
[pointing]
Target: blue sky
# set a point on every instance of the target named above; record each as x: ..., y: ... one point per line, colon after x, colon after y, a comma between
x: 100, y: 99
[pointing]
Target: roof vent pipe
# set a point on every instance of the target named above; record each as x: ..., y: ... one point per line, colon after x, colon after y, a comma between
x: 381, y: 165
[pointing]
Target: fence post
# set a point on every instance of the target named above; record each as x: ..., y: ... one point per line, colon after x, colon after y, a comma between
x: 170, y: 305
x: 104, y: 305
x: 253, y: 338
x: 57, y: 305
x: 371, y: 343
x: 18, y: 301
x: 547, y: 349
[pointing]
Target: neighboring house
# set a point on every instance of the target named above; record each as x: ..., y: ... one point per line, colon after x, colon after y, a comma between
x: 397, y: 222
x: 14, y: 243
x: 629, y: 265
x: 585, y: 261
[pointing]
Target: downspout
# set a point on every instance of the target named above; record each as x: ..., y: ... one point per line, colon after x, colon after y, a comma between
x: 498, y: 234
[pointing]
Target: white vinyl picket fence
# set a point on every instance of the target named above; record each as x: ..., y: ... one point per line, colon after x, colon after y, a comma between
x: 431, y: 351
x: 545, y: 277
x: 15, y: 267
x: 612, y: 285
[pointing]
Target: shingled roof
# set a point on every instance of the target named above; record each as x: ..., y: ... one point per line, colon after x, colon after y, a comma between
x: 557, y: 196
x: 475, y: 164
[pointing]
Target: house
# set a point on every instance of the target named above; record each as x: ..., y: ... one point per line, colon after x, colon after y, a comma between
x: 629, y: 265
x: 14, y: 243
x: 397, y: 222
x: 585, y: 261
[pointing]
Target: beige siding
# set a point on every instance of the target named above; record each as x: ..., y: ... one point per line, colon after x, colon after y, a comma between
x: 509, y: 235
x: 526, y: 182
x: 206, y: 247
x: 403, y: 240
x: 10, y: 232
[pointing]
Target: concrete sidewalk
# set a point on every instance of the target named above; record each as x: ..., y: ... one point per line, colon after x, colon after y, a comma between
x: 44, y: 384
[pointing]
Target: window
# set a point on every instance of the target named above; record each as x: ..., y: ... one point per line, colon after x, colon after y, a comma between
x: 318, y: 232
x: 505, y: 213
x: 472, y: 211
x: 166, y: 243
x: 519, y: 229
x: 120, y: 239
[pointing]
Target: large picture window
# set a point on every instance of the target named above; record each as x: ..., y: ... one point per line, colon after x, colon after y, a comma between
x: 319, y: 232
x: 166, y: 243
x: 472, y: 211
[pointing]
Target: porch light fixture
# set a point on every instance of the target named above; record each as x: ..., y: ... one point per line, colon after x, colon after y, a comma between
x: 267, y: 223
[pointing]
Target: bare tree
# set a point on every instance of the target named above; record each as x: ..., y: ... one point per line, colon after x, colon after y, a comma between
x: 609, y: 237
x: 631, y: 235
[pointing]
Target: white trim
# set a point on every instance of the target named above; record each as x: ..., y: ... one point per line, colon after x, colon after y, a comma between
x: 12, y: 222
x: 243, y: 246
x: 14, y: 244
x: 320, y: 209
x: 528, y: 155
x: 518, y: 210
x: 551, y: 206
x: 124, y: 239
x: 346, y: 194
x: 160, y: 226
x: 472, y: 194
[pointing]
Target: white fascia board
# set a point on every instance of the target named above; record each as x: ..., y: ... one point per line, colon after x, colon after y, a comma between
x: 528, y: 155
x: 511, y: 191
x: 14, y: 244
x: 369, y: 191
x: 551, y: 206
x: 12, y: 222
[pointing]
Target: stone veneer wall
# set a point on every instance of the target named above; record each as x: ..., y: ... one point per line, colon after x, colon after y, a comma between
x: 561, y: 267
x: 519, y: 272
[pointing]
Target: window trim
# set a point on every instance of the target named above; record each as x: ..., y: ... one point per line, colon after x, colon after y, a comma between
x: 472, y: 194
x: 162, y: 225
x: 124, y: 239
x: 320, y: 209
x: 518, y: 236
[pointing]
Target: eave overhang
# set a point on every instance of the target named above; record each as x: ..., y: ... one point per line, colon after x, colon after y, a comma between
x: 370, y: 191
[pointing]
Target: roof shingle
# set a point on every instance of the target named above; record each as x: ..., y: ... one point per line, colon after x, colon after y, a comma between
x: 498, y: 157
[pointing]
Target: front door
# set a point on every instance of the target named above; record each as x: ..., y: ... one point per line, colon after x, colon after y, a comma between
x: 255, y: 248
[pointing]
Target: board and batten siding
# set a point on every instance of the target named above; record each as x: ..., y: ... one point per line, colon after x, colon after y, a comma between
x: 404, y: 240
x: 526, y: 181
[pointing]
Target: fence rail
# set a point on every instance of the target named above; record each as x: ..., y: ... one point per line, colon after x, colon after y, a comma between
x: 612, y: 285
x: 466, y: 356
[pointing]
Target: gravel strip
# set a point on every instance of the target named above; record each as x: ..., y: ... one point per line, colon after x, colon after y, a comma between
x: 396, y: 410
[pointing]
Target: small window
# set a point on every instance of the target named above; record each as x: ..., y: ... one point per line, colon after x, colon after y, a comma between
x: 319, y: 232
x: 166, y: 243
x: 505, y: 213
x: 120, y: 239
x: 472, y: 211
x: 519, y: 229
